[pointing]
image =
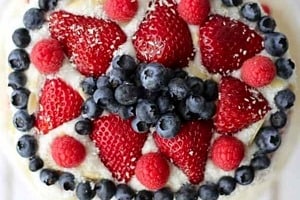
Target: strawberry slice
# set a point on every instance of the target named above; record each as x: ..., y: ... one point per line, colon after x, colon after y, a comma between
x: 189, y: 149
x: 225, y: 44
x: 164, y: 37
x: 119, y: 145
x: 239, y: 106
x: 59, y: 103
x: 88, y: 42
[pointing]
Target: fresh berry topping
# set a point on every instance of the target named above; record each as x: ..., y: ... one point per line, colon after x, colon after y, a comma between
x: 186, y: 192
x: 285, y: 68
x: 189, y: 148
x: 35, y: 163
x: 124, y: 192
x: 96, y: 36
x: 285, y: 99
x: 88, y: 85
x: 119, y: 144
x: 27, y: 146
x: 158, y: 38
x: 49, y: 176
x: 208, y: 192
x: 152, y: 170
x: 210, y: 90
x: 239, y: 106
x: 21, y: 37
x: 196, y: 85
x: 84, y: 127
x: 147, y: 111
x: 144, y: 195
x: 47, y: 56
x: 165, y: 104
x: 17, y: 79
x: 278, y: 119
x: 127, y: 94
x: 19, y: 98
x: 139, y: 126
x: 276, y: 44
x: 227, y: 152
x: 222, y: 37
x: 194, y: 11
x: 231, y: 3
x: 121, y: 10
x: 103, y: 81
x: 268, y: 139
x: 67, y: 181
x: 258, y: 71
x: 251, y: 11
x: 67, y: 152
x: 23, y: 121
x: 244, y: 175
x: 126, y: 112
x: 84, y: 191
x: 266, y: 8
x: 90, y: 109
x: 124, y: 62
x: 226, y: 185
x: 163, y: 194
x: 266, y: 24
x: 103, y: 96
x: 47, y: 5
x: 153, y: 77
x: 59, y: 103
x: 105, y: 189
x: 168, y: 125
x: 260, y: 162
x: 19, y: 60
x: 34, y: 18
x: 198, y: 106
x: 178, y: 88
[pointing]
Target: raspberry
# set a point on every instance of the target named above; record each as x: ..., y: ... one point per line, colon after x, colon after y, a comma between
x: 152, y: 170
x: 227, y: 152
x: 67, y: 151
x: 194, y: 11
x: 266, y: 8
x: 47, y: 55
x: 258, y: 71
x: 121, y: 10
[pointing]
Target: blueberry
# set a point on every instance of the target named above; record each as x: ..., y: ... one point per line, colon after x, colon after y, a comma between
x: 117, y: 77
x: 179, y: 73
x: 276, y: 44
x: 139, y: 126
x: 178, y: 88
x: 105, y: 189
x: 251, y: 11
x: 27, y: 146
x: 19, y: 60
x: 186, y: 192
x: 266, y: 24
x: 49, y: 176
x: 268, y: 139
x: 34, y: 18
x: 168, y: 125
x: 208, y: 192
x: 278, y: 119
x: 284, y: 67
x: 260, y: 162
x: 35, y: 163
x: 185, y: 113
x: 163, y: 194
x: 84, y: 191
x: 153, y: 77
x: 17, y: 79
x: 103, y: 95
x: 113, y: 107
x: 210, y: 90
x: 285, y: 99
x: 67, y: 181
x: 126, y: 112
x: 147, y: 111
x: 196, y: 85
x: 90, y: 109
x: 21, y: 37
x: 48, y: 4
x: 164, y: 103
x: 226, y: 185
x: 103, y: 81
x: 244, y: 175
x: 144, y: 195
x: 88, y: 85
x: 126, y: 94
x: 232, y: 2
x: 23, y: 121
x: 195, y: 104
x: 208, y: 111
x: 19, y: 98
x: 150, y: 95
x: 124, y: 192
x: 84, y: 127
x: 124, y: 62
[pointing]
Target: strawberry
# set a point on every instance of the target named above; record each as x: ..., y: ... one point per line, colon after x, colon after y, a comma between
x: 119, y: 145
x: 239, y: 106
x: 121, y: 10
x: 88, y: 42
x: 59, y: 103
x: 225, y: 44
x: 194, y: 11
x: 227, y: 152
x: 189, y: 148
x: 164, y: 37
x: 152, y: 170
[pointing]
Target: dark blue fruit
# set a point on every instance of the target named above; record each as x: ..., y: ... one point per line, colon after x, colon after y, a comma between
x: 168, y: 125
x: 27, y: 146
x: 49, y: 176
x: 21, y: 37
x: 113, y: 107
x: 35, y: 163
x: 103, y: 96
x: 208, y: 111
x: 127, y: 94
x: 244, y: 175
x: 124, y: 192
x: 147, y: 111
x: 276, y: 44
x: 251, y: 11
x: 103, y: 81
x: 226, y: 185
x: 34, y: 18
x: 126, y: 112
x: 196, y: 85
x: 90, y: 109
x: 266, y: 24
x: 208, y: 192
x: 164, y: 104
x: 153, y: 77
x: 105, y: 189
x: 84, y: 191
x: 163, y: 194
x: 268, y: 139
x: 139, y: 126
x: 195, y: 104
x: 124, y: 62
x: 67, y: 181
x: 285, y: 99
x: 17, y: 79
x: 19, y: 98
x: 144, y: 195
x: 84, y: 126
x: 178, y: 88
x: 117, y: 77
x: 284, y: 67
x: 210, y: 90
x: 232, y: 2
x: 23, y: 121
x: 260, y: 162
x: 278, y: 119
x: 185, y: 113
x: 47, y: 4
x: 88, y: 85
x: 186, y: 192
x: 19, y: 60
x: 179, y: 73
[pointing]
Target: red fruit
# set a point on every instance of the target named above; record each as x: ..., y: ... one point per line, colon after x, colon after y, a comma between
x: 119, y: 145
x: 164, y: 37
x: 67, y: 152
x: 121, y: 10
x: 189, y: 148
x: 152, y: 170
x: 47, y: 56
x: 225, y: 44
x: 227, y: 152
x: 258, y: 71
x: 194, y: 11
x: 88, y: 42
x: 239, y: 106
x: 59, y: 103
x: 266, y: 8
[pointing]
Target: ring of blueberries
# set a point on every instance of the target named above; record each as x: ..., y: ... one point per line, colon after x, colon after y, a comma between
x: 151, y: 96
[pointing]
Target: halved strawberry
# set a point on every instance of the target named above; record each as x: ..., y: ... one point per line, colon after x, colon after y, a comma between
x: 88, y: 42
x: 189, y: 149
x: 59, y: 103
x: 239, y: 106
x: 119, y: 145
x: 164, y: 37
x: 225, y: 44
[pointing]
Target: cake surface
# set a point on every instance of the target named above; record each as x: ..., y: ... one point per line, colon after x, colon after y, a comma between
x: 92, y: 168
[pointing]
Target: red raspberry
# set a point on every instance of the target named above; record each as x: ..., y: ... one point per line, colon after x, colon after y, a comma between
x: 47, y: 55
x: 121, y: 10
x: 266, y: 8
x: 67, y: 151
x: 258, y: 71
x: 152, y: 170
x: 194, y: 11
x: 227, y: 152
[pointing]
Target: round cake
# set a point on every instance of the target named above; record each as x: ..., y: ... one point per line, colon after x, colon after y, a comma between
x: 146, y: 99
